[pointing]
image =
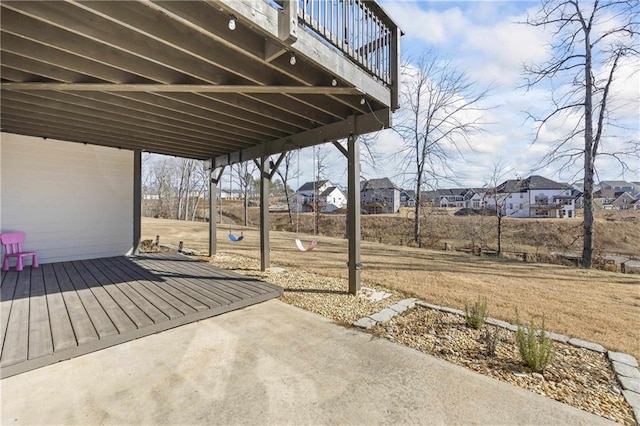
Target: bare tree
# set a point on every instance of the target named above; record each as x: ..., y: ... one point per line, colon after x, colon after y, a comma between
x: 320, y: 168
x: 286, y: 172
x: 492, y: 199
x: 442, y: 111
x: 590, y: 41
x: 245, y: 180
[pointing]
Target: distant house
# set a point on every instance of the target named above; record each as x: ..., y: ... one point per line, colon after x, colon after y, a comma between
x: 379, y: 196
x: 621, y: 186
x: 329, y: 197
x: 604, y: 198
x: 459, y: 198
x: 407, y: 198
x: 623, y: 201
x: 535, y: 196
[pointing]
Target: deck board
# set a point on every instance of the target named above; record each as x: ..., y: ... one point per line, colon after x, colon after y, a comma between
x: 120, y: 293
x: 211, y: 301
x: 146, y: 280
x: 9, y: 280
x: 16, y: 338
x: 127, y: 284
x: 40, y: 339
x: 161, y: 305
x: 62, y: 310
x: 80, y: 321
x: 223, y: 288
x: 99, y: 318
x: 61, y: 329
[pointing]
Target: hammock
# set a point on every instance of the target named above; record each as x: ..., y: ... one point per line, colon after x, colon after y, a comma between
x: 303, y: 248
x: 235, y: 239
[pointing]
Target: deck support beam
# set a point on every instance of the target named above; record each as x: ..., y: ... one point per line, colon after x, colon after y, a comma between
x: 353, y: 213
x: 137, y: 201
x: 213, y: 198
x: 264, y: 212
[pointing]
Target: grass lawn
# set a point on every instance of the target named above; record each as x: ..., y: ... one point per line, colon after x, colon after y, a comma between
x: 599, y: 306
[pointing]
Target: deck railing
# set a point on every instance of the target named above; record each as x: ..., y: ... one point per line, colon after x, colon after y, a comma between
x: 360, y: 29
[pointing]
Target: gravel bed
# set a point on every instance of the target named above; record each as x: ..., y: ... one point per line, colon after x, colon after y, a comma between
x: 578, y: 377
x: 326, y: 296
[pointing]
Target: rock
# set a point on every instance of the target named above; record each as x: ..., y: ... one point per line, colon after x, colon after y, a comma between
x: 428, y: 305
x: 409, y: 303
x: 451, y: 310
x: 625, y: 370
x: 399, y: 308
x: 365, y: 322
x: 630, y: 384
x: 623, y: 358
x: 384, y: 315
x: 632, y: 398
x: 537, y: 376
x: 557, y: 337
x: 587, y: 345
x: 519, y: 374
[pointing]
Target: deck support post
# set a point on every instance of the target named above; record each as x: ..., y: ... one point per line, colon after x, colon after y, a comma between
x: 137, y: 201
x: 353, y: 213
x: 264, y: 212
x: 213, y: 198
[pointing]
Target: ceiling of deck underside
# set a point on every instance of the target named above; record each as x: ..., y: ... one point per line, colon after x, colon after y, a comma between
x: 167, y: 43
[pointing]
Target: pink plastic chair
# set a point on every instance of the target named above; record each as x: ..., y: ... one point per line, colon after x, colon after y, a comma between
x: 12, y: 243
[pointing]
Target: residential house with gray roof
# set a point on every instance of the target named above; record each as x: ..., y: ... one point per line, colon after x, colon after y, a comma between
x: 534, y: 196
x: 379, y: 196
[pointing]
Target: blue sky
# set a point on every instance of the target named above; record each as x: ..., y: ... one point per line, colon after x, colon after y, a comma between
x: 487, y: 43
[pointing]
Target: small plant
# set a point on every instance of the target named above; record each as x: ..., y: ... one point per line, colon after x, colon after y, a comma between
x: 491, y: 340
x: 536, y: 348
x: 477, y: 314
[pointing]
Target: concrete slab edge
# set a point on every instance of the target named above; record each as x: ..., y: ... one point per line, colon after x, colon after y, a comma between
x: 624, y: 365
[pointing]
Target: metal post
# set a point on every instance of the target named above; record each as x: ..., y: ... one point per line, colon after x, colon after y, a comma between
x: 137, y: 201
x: 264, y: 213
x: 213, y: 193
x: 353, y: 213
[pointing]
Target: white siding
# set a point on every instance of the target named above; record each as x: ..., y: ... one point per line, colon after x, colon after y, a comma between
x: 74, y: 201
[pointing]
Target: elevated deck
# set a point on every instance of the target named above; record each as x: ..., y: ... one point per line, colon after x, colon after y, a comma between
x: 62, y: 310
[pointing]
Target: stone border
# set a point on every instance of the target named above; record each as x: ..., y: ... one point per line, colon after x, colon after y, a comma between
x: 624, y: 365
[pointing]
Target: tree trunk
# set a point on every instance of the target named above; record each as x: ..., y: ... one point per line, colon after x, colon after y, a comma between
x: 499, y: 233
x: 416, y: 229
x: 246, y: 208
x: 286, y: 195
x: 587, y: 248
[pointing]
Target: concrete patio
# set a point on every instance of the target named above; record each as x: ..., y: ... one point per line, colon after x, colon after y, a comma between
x: 269, y: 364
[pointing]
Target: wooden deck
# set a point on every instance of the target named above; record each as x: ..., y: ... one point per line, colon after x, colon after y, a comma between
x: 62, y: 310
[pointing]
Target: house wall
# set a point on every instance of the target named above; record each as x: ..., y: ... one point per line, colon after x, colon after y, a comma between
x: 335, y: 200
x: 517, y: 204
x: 74, y: 201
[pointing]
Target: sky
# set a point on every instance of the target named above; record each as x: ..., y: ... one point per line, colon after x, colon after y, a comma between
x: 486, y: 41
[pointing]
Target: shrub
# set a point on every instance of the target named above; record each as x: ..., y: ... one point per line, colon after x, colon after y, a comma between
x: 536, y: 348
x: 476, y: 315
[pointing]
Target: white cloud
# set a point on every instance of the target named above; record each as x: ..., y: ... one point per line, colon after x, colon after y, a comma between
x: 428, y: 25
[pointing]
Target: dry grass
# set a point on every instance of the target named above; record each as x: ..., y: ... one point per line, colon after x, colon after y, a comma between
x: 600, y: 306
x: 615, y: 231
